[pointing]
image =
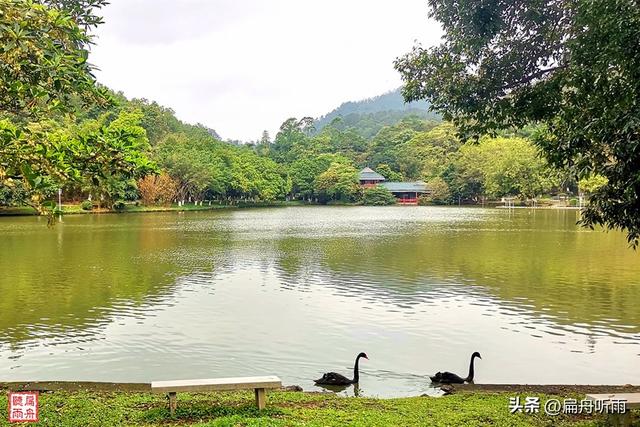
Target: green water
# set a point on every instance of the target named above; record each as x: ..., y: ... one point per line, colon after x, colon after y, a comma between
x: 299, y: 291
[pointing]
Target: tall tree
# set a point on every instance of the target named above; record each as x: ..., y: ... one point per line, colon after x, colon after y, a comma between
x: 573, y: 66
x: 339, y: 182
x: 43, y: 73
x: 43, y: 63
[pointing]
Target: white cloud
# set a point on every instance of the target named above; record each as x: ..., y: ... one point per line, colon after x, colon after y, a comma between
x: 246, y: 65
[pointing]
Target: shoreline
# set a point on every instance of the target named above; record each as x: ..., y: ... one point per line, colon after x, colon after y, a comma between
x: 100, y: 386
x: 71, y: 209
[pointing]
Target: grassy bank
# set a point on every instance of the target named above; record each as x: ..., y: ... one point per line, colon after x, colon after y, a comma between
x: 76, y: 209
x: 286, y: 409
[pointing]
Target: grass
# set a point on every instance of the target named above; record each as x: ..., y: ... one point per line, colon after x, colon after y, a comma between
x: 286, y: 409
x: 75, y: 209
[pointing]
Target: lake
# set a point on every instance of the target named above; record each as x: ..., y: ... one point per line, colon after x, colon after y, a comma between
x: 300, y: 291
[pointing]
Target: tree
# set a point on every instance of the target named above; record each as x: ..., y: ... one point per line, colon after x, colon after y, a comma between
x: 464, y: 175
x: 505, y: 167
x: 43, y: 63
x: 573, y: 67
x: 157, y: 120
x: 339, y: 182
x: 82, y: 11
x: 591, y: 184
x: 44, y: 74
x: 390, y: 175
x: 291, y: 133
x: 197, y: 162
x: 305, y: 171
x: 265, y: 139
x: 158, y: 189
x: 378, y: 196
x: 440, y: 193
x: 426, y: 154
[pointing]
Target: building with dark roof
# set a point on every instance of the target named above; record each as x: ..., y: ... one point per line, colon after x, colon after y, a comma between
x: 406, y: 193
x: 370, y: 178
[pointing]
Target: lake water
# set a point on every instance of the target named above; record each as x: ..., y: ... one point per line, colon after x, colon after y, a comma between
x: 300, y: 291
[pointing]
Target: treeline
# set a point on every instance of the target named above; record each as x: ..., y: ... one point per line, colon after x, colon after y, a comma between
x: 175, y: 161
x: 199, y: 165
x: 323, y: 166
x: 59, y: 129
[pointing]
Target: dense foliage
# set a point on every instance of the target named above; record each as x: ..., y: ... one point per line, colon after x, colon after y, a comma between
x: 378, y: 196
x: 99, y: 146
x: 572, y: 67
x: 206, y: 168
x: 322, y: 166
x: 44, y: 78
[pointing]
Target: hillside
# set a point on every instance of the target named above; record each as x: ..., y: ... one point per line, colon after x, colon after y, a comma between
x: 368, y: 116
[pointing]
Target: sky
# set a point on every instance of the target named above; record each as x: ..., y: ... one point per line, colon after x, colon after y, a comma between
x: 244, y: 66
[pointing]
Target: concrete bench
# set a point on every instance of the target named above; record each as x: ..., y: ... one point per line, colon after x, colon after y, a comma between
x: 259, y: 384
x: 632, y: 401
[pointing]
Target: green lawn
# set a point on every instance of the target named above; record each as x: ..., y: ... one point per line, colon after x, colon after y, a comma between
x: 285, y: 409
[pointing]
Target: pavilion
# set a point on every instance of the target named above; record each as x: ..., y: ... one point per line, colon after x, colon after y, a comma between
x: 406, y: 193
x: 370, y: 178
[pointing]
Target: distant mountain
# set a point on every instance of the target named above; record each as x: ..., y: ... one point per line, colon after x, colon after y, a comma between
x: 368, y: 116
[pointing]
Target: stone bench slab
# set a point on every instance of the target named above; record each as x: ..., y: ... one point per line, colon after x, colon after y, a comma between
x: 216, y: 384
x: 259, y: 384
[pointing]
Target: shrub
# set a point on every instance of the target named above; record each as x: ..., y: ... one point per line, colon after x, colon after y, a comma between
x: 378, y: 196
x: 87, y: 205
x: 439, y: 195
x: 119, y: 205
x: 157, y: 189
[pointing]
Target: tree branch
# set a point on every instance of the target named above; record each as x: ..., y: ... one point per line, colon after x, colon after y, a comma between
x: 529, y: 78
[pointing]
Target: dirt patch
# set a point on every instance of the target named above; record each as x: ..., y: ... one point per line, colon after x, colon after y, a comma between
x: 75, y: 386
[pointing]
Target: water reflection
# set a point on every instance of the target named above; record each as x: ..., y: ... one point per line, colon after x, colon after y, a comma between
x: 294, y: 291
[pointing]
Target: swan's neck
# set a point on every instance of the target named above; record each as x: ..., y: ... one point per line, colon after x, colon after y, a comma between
x: 356, y: 373
x: 470, y: 377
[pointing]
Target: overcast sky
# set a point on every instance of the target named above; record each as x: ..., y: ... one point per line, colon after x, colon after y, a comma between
x: 241, y: 66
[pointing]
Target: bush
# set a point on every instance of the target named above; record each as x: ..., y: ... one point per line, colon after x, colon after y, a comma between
x: 573, y: 202
x: 119, y: 205
x: 378, y: 196
x: 439, y: 195
x: 87, y: 205
x: 158, y: 189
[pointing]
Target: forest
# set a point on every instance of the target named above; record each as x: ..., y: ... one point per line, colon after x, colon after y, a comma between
x: 176, y: 161
x: 62, y: 130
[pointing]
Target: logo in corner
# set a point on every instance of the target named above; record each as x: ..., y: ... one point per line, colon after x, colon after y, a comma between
x: 23, y: 407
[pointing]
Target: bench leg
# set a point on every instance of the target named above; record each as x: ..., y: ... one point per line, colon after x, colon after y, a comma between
x: 261, y: 398
x: 173, y: 403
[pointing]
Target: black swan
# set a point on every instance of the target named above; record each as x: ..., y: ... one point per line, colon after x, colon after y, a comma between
x: 333, y: 378
x: 450, y: 378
